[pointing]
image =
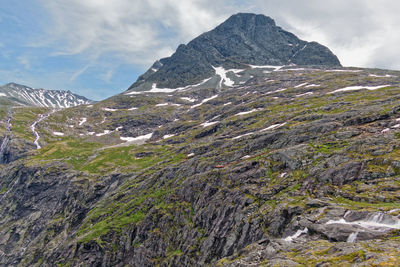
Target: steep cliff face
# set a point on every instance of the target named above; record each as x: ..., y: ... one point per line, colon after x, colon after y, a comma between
x: 296, y: 165
x: 241, y: 40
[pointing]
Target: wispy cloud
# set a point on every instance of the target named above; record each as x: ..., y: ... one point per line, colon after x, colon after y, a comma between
x: 142, y: 31
x: 23, y: 60
x: 137, y: 33
x: 78, y: 73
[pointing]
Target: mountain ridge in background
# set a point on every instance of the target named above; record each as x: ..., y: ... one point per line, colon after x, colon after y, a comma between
x: 27, y: 96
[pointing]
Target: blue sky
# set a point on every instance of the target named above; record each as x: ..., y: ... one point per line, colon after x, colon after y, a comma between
x: 97, y: 48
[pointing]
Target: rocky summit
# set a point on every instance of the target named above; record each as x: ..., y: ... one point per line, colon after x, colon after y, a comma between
x: 281, y: 165
x: 241, y: 40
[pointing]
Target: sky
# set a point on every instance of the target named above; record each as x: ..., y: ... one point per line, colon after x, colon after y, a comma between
x: 98, y: 48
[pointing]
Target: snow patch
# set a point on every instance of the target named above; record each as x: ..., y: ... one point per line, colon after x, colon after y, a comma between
x: 168, y: 136
x: 109, y: 109
x: 154, y: 88
x: 82, y: 121
x: 189, y: 99
x: 58, y: 133
x: 336, y: 70
x: 204, y: 101
x: 276, y: 68
x: 206, y: 124
x: 240, y: 136
x: 247, y: 112
x: 300, y: 85
x: 104, y: 133
x: 162, y: 105
x: 132, y: 108
x: 141, y: 138
x: 308, y: 93
x: 2, y: 94
x: 312, y: 85
x: 354, y: 88
x: 380, y: 76
x: 276, y: 91
x: 224, y: 80
x: 274, y: 126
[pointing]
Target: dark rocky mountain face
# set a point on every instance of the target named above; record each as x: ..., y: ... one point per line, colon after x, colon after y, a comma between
x: 297, y: 166
x: 241, y: 40
x: 260, y: 166
x: 21, y: 95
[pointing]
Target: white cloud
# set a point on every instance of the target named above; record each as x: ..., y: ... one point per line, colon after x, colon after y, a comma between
x: 360, y: 32
x: 137, y: 32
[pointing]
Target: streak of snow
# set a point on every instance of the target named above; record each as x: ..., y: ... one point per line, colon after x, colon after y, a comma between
x: 189, y: 99
x: 308, y: 93
x: 336, y: 70
x: 247, y: 112
x: 190, y: 155
x: 276, y: 91
x: 274, y: 126
x: 154, y: 88
x: 58, y: 133
x: 380, y: 76
x: 132, y: 108
x: 300, y: 85
x: 240, y: 136
x: 204, y: 101
x: 141, y: 138
x: 206, y: 124
x: 354, y: 88
x: 312, y: 85
x: 109, y: 109
x: 104, y: 133
x: 83, y: 120
x: 2, y: 94
x: 266, y: 67
x: 168, y: 136
x: 162, y: 105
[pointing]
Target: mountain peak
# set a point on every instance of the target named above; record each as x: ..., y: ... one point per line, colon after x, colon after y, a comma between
x: 248, y: 19
x: 27, y: 96
x: 243, y: 39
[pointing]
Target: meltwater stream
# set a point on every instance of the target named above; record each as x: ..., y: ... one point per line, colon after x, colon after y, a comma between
x: 375, y: 221
x: 33, y: 128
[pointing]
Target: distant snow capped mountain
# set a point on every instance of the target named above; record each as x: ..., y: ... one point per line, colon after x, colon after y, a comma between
x: 26, y: 96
